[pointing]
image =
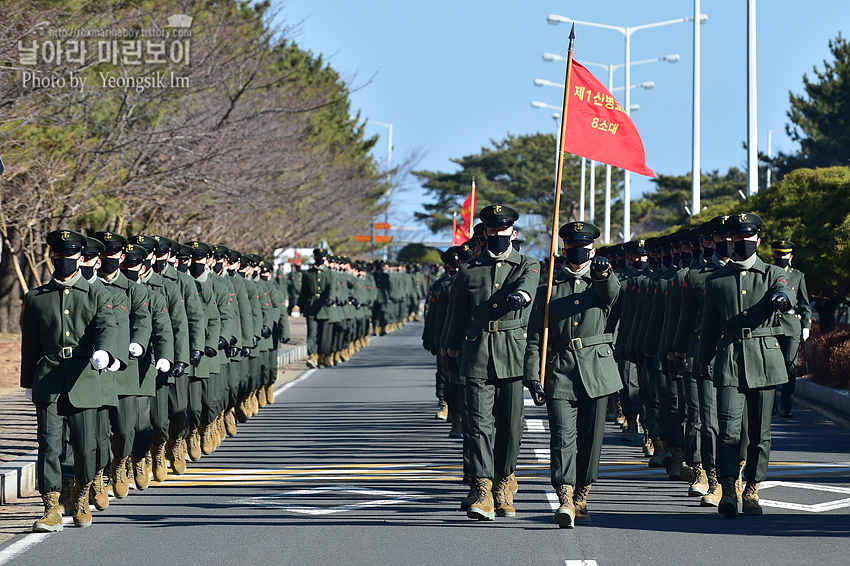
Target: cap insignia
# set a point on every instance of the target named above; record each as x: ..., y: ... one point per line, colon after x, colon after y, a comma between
x: 65, y: 234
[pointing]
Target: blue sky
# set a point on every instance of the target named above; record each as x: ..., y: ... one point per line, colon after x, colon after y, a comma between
x: 451, y: 75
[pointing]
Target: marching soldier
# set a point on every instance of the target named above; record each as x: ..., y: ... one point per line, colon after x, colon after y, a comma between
x: 797, y: 325
x: 315, y: 302
x: 581, y: 372
x: 488, y: 320
x: 67, y: 333
x: 739, y: 350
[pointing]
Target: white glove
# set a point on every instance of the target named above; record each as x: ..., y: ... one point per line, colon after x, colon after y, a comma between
x: 99, y: 360
x: 136, y: 350
x: 28, y: 394
x: 805, y: 334
x: 163, y: 365
x: 116, y: 365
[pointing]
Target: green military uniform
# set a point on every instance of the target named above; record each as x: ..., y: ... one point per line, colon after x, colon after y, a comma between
x: 488, y: 321
x: 796, y: 324
x: 581, y: 371
x: 293, y: 286
x: 738, y: 333
x: 316, y: 303
x: 67, y: 331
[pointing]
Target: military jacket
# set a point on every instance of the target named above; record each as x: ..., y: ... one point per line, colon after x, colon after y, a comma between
x: 686, y: 338
x: 177, y: 313
x: 161, y: 344
x: 207, y: 294
x: 316, y: 288
x: 738, y: 326
x: 61, y: 327
x: 243, y: 308
x: 121, y: 311
x: 191, y: 306
x: 793, y: 323
x: 127, y: 380
x: 579, y: 349
x: 492, y: 336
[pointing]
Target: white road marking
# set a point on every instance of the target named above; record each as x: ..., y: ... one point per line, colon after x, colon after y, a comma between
x: 581, y: 562
x: 299, y: 379
x: 816, y: 508
x: 535, y: 425
x: 19, y: 547
x: 553, y: 500
x: 542, y: 455
x: 274, y: 501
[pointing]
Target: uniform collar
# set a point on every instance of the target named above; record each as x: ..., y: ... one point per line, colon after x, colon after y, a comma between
x: 484, y: 259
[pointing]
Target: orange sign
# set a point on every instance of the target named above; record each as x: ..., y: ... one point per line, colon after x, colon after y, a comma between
x: 366, y: 238
x: 384, y: 239
x: 382, y: 226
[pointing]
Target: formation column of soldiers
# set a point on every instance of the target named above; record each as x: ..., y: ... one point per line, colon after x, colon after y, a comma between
x: 339, y: 298
x: 138, y: 354
x: 685, y: 337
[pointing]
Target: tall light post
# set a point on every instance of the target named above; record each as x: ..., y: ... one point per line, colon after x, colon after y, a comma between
x: 555, y: 19
x: 389, y: 160
x: 752, y: 103
x: 673, y: 58
x: 770, y: 152
x: 696, y: 170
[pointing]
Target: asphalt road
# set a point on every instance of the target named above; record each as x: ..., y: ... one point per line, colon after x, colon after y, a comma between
x: 349, y: 466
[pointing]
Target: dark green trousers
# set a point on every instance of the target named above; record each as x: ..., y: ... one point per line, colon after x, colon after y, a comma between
x: 656, y: 409
x: 312, y: 335
x: 143, y: 438
x: 630, y: 394
x: 734, y: 409
x: 122, y: 420
x: 790, y: 347
x: 576, y: 430
x: 495, y: 428
x: 82, y: 435
x: 178, y: 407
x: 160, y: 415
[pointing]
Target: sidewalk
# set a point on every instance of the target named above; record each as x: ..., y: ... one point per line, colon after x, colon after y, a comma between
x: 18, y: 423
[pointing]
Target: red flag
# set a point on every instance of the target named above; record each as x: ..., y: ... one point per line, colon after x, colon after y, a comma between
x: 598, y: 128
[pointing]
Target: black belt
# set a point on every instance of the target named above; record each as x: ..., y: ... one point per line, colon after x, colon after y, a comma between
x: 499, y: 325
x: 69, y: 352
x: 748, y: 333
x: 584, y: 342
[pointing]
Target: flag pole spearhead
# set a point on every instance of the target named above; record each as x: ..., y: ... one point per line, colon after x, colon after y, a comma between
x: 572, y: 36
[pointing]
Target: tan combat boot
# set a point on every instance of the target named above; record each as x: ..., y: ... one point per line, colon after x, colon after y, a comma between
x: 646, y: 444
x: 631, y: 432
x: 566, y: 513
x: 140, y: 474
x: 230, y: 422
x: 241, y: 411
x: 175, y: 456
x: 482, y: 508
x: 470, y: 498
x: 65, y: 505
x: 620, y: 418
x: 193, y: 445
x: 311, y: 361
x: 699, y: 481
x: 120, y: 483
x: 160, y: 467
x: 261, y: 396
x: 739, y: 482
x: 98, y: 495
x: 728, y: 506
x: 503, y: 499
x: 207, y: 443
x: 513, y: 484
x: 457, y: 425
x: 712, y: 496
x: 82, y: 511
x: 658, y: 452
x: 678, y: 460
x: 582, y: 517
x: 270, y: 394
x: 219, y: 429
x: 443, y: 410
x: 750, y: 499
x: 51, y: 520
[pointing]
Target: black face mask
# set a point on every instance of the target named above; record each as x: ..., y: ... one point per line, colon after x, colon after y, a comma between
x: 182, y: 266
x: 109, y: 265
x: 782, y: 262
x: 745, y: 248
x: 231, y: 272
x: 687, y: 257
x: 498, y: 244
x: 708, y: 253
x: 577, y: 256
x: 196, y: 269
x: 131, y: 275
x: 321, y: 260
x: 64, y: 266
x: 653, y: 263
x: 668, y: 261
x: 640, y: 265
x: 87, y: 271
x: 159, y: 265
x: 217, y: 267
x: 724, y: 248
x: 147, y: 264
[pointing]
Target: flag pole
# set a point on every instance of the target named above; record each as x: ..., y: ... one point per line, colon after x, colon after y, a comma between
x: 559, y: 175
x: 454, y: 228
x: 472, y: 208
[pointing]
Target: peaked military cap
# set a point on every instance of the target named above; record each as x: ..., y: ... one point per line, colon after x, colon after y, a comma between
x: 705, y: 230
x: 464, y: 252
x: 234, y: 256
x: 220, y: 251
x: 93, y: 248
x: 688, y: 236
x: 717, y: 225
x: 134, y: 254
x: 783, y: 246
x: 579, y: 233
x: 651, y: 244
x: 745, y: 223
x: 112, y: 241
x: 147, y: 242
x: 449, y: 256
x: 498, y: 216
x: 163, y: 245
x: 184, y: 253
x: 200, y: 249
x: 320, y: 252
x: 635, y: 247
x: 66, y: 241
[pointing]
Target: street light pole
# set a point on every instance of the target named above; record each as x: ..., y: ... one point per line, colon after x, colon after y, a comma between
x: 627, y: 32
x: 389, y: 161
x: 752, y: 103
x: 696, y: 206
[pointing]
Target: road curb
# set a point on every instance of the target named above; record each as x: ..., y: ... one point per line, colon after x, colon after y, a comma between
x: 838, y: 400
x: 17, y: 478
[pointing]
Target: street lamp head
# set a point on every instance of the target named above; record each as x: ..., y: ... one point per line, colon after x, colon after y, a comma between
x: 552, y: 57
x: 539, y: 82
x: 536, y: 104
x: 703, y: 18
x: 555, y: 19
x: 672, y: 58
x: 556, y: 116
x: 634, y: 107
x: 647, y: 85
